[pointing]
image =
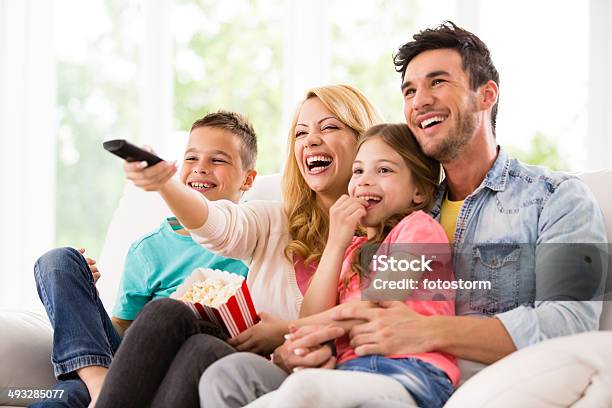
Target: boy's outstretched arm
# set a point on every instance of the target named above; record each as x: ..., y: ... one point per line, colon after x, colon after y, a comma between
x: 189, y: 207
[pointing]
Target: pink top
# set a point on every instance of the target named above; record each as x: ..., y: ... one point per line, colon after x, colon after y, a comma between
x: 303, y: 273
x: 417, y: 228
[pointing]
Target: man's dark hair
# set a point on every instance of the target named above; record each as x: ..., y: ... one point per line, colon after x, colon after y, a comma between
x: 474, y: 53
x: 240, y: 126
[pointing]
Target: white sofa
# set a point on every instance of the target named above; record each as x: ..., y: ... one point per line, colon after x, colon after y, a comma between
x: 571, y: 371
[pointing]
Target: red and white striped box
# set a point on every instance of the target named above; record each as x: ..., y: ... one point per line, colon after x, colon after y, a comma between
x: 235, y: 315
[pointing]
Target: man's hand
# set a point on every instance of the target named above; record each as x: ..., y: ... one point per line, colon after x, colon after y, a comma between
x: 262, y: 338
x: 393, y: 328
x: 304, y: 348
x: 151, y: 178
x: 92, y: 266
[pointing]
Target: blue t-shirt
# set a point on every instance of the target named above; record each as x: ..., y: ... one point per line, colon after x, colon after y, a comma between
x: 160, y: 261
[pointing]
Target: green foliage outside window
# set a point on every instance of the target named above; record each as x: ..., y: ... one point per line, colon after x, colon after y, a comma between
x: 234, y: 62
x: 363, y: 48
x: 94, y: 103
x: 542, y: 151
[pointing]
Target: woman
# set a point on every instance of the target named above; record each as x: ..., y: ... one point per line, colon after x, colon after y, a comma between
x: 167, y: 348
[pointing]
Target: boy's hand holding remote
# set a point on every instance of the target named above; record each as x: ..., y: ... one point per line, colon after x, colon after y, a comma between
x: 149, y: 178
x: 187, y: 205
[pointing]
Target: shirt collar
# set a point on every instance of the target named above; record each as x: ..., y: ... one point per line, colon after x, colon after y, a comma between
x: 495, y: 180
x: 497, y: 176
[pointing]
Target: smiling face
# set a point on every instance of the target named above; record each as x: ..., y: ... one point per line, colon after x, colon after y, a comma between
x: 384, y: 180
x: 212, y: 164
x: 439, y: 106
x: 324, y: 149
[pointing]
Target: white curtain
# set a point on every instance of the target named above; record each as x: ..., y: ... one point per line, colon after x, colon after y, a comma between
x: 599, y: 145
x: 27, y: 145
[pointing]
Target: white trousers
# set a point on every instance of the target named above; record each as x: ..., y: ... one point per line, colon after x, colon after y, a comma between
x: 335, y: 389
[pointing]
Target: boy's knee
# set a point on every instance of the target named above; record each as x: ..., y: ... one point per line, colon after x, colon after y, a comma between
x: 57, y: 262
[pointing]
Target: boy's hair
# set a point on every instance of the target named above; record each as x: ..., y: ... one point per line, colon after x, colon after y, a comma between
x: 425, y: 174
x: 237, y: 124
x: 474, y: 54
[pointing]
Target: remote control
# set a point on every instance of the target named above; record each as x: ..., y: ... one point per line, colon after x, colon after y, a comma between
x: 130, y: 152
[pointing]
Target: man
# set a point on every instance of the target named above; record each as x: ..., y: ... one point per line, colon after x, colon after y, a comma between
x: 494, y: 209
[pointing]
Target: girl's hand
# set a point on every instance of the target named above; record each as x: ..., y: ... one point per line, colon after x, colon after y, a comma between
x: 95, y: 273
x: 262, y: 338
x: 343, y: 218
x: 150, y: 178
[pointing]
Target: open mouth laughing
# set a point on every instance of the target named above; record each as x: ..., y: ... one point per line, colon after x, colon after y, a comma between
x: 371, y: 199
x: 431, y: 122
x: 318, y: 163
x: 202, y: 186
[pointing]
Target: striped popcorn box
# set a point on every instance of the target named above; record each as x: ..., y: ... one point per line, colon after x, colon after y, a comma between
x: 220, y: 297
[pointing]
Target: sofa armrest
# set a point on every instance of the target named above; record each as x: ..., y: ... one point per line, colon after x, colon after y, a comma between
x: 567, y: 371
x: 25, y: 350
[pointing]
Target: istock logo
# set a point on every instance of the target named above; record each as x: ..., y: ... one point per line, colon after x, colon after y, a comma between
x: 384, y: 263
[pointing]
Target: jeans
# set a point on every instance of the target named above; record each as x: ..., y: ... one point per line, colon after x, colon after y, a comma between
x: 83, y: 334
x: 162, y: 357
x: 75, y: 395
x: 429, y: 386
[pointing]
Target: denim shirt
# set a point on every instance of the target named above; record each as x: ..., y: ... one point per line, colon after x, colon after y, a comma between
x: 500, y: 229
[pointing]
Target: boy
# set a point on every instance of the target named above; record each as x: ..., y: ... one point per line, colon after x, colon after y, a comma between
x: 219, y: 163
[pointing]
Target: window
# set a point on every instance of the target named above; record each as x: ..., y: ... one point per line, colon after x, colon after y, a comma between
x: 144, y: 71
x: 544, y: 75
x: 230, y: 55
x: 97, y: 50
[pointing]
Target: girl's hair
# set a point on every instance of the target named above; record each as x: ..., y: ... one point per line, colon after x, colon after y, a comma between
x: 425, y: 174
x: 308, y: 224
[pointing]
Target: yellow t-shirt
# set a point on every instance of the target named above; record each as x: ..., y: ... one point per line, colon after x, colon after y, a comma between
x: 448, y: 216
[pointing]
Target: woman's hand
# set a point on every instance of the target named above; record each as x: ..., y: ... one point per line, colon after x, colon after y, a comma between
x: 343, y: 218
x: 263, y: 337
x: 306, y: 348
x: 149, y: 178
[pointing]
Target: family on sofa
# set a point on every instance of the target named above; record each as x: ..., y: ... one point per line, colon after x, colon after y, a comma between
x: 350, y: 181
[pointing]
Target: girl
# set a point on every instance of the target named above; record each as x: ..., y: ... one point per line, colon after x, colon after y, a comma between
x: 280, y: 243
x: 393, y: 183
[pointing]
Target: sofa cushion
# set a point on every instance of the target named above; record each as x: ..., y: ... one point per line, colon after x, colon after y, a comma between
x: 568, y: 371
x: 24, y: 366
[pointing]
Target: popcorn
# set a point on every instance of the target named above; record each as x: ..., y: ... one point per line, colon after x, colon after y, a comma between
x: 220, y: 297
x: 210, y: 292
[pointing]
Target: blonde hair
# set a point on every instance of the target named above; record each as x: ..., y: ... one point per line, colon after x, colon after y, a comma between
x: 308, y: 224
